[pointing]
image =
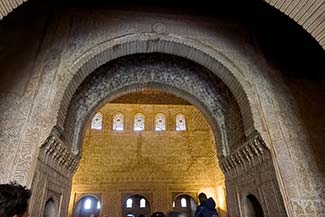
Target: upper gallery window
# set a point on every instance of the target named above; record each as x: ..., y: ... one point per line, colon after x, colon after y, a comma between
x: 129, y: 203
x: 160, y: 120
x: 142, y: 203
x: 138, y: 122
x: 183, y: 202
x: 180, y: 122
x: 97, y: 121
x: 118, y: 122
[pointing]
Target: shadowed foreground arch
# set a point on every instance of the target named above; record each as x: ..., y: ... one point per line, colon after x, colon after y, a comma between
x: 260, y: 99
x: 249, y: 155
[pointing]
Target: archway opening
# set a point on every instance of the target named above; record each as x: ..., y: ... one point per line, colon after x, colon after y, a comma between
x: 157, y: 163
x: 252, y: 207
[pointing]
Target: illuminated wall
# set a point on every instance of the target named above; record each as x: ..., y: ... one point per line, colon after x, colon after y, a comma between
x: 158, y: 165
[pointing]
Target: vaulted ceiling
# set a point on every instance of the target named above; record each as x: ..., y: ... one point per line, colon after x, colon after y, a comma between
x: 310, y: 14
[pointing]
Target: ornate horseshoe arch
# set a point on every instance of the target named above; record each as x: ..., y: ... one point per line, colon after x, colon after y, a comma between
x: 109, y: 50
x: 162, y: 72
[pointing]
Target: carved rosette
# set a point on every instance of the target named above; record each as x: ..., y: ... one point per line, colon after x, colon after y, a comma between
x: 55, y: 154
x: 251, y: 153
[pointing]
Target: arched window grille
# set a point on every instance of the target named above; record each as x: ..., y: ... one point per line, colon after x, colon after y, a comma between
x: 129, y: 203
x: 160, y: 120
x: 180, y: 122
x: 139, y: 122
x: 97, y: 122
x: 118, y: 122
x: 142, y: 203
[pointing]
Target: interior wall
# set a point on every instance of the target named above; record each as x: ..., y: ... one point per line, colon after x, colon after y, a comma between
x: 20, y: 47
x: 159, y: 164
x: 307, y: 102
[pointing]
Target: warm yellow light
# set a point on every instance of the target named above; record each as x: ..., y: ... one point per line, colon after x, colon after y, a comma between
x: 221, y: 197
x: 210, y: 192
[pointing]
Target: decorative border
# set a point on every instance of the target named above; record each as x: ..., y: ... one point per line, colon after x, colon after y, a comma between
x: 251, y: 153
x: 55, y: 154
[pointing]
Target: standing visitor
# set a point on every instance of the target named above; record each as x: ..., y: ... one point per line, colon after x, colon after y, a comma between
x: 207, y: 207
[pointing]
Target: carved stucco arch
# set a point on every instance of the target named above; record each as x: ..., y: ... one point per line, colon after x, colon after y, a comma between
x: 309, y: 14
x: 167, y: 74
x: 190, y: 49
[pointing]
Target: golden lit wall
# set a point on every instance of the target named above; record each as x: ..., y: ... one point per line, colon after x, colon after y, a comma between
x: 157, y: 165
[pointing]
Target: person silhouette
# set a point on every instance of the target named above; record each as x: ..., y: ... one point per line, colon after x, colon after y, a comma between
x: 206, y: 207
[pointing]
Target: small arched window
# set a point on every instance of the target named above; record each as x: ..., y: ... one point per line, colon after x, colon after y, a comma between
x: 118, y: 122
x: 180, y: 122
x: 183, y: 202
x: 98, y: 205
x: 142, y: 203
x: 97, y: 121
x: 129, y: 203
x: 139, y: 122
x: 160, y: 122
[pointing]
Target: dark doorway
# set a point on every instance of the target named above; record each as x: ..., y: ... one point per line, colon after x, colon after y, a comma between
x: 253, y: 207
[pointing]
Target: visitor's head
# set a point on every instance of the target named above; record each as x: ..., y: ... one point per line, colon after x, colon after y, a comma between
x: 14, y: 200
x: 158, y: 214
x: 202, y: 197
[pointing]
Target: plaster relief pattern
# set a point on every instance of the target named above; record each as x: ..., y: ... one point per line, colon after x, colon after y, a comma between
x: 249, y: 170
x: 39, y: 123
